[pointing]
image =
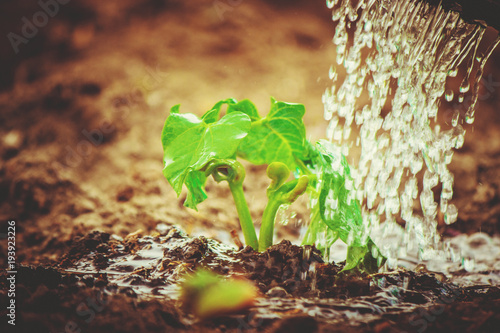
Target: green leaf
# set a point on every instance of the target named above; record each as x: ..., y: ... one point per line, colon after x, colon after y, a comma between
x: 334, y: 205
x: 195, y: 183
x: 354, y: 255
x: 212, y: 115
x: 209, y: 295
x: 173, y: 110
x: 189, y: 143
x: 338, y: 206
x: 279, y: 137
x: 319, y: 234
x: 246, y: 107
x: 373, y: 258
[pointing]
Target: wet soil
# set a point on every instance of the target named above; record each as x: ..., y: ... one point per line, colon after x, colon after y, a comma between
x: 82, y: 104
x: 107, y: 284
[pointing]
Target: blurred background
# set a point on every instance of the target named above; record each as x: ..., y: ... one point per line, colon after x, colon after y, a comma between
x: 85, y: 87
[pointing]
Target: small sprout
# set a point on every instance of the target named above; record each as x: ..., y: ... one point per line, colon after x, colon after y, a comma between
x: 226, y: 170
x: 298, y: 190
x: 278, y: 195
x: 279, y: 173
x: 196, y: 148
x: 209, y: 295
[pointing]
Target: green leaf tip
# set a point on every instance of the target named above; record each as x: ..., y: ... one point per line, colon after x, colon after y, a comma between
x: 175, y: 108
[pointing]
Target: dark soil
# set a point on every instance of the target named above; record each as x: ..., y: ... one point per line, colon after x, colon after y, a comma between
x: 82, y: 105
x: 92, y: 298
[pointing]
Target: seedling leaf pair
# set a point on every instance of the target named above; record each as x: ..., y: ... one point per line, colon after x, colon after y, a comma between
x: 195, y: 148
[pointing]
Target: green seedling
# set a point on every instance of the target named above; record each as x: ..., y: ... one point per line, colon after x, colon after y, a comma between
x: 208, y: 295
x: 196, y: 148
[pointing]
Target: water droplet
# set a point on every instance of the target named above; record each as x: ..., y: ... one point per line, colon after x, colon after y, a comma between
x: 455, y: 118
x: 453, y: 72
x: 368, y: 26
x: 469, y: 119
x: 406, y: 282
x: 448, y: 155
x: 451, y: 214
x: 464, y: 87
x: 449, y: 95
x: 468, y: 264
x: 307, y: 253
x: 332, y: 73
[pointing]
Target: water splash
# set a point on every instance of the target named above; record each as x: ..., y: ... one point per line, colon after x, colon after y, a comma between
x: 397, y: 56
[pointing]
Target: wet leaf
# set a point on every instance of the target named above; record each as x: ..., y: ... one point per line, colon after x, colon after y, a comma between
x: 278, y: 137
x: 195, y: 183
x: 337, y: 206
x: 189, y: 143
x: 245, y: 106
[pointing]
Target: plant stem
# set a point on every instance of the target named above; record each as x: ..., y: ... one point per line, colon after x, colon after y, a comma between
x: 267, y: 227
x: 244, y: 214
x: 305, y: 170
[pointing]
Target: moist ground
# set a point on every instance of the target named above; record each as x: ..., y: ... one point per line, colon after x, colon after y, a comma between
x: 87, y: 291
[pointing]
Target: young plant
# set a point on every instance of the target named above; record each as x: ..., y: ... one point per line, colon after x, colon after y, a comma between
x: 208, y: 295
x: 195, y: 148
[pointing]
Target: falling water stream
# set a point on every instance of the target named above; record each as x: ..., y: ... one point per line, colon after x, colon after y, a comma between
x: 397, y: 56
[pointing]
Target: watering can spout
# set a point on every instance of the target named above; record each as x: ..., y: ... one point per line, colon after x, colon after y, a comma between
x: 484, y: 12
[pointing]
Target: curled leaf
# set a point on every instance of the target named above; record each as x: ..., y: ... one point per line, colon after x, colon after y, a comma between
x: 189, y: 143
x: 279, y: 173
